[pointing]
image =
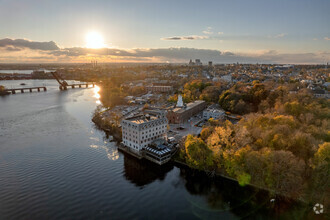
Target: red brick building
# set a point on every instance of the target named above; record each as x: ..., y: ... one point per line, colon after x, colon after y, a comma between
x: 180, y: 115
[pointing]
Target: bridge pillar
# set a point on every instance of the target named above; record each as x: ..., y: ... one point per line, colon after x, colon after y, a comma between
x: 79, y: 85
x: 86, y: 85
x: 38, y: 89
x: 72, y: 86
x: 65, y: 88
x: 22, y: 90
x: 45, y: 89
x: 30, y: 90
x: 13, y: 92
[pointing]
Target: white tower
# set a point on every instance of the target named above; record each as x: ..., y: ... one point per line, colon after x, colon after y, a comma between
x: 180, y: 102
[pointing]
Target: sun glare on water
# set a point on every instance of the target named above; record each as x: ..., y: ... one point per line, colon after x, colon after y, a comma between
x: 94, y: 40
x: 97, y: 95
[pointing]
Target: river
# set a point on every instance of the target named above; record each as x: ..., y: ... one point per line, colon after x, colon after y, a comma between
x: 19, y: 71
x: 54, y: 164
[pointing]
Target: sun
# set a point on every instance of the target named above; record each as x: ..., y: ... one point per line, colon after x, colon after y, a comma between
x: 94, y: 40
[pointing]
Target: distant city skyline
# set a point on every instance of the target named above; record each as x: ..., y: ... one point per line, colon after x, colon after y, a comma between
x: 295, y: 31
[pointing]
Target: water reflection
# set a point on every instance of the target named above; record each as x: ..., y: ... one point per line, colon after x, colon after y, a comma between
x: 110, y: 149
x: 143, y: 172
x: 216, y: 197
x: 226, y: 199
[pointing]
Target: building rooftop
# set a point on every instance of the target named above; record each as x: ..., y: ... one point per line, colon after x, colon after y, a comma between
x: 188, y: 106
x: 214, y: 108
x: 140, y: 119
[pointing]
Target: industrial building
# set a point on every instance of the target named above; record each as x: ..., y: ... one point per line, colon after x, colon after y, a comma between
x: 140, y: 131
x: 182, y: 112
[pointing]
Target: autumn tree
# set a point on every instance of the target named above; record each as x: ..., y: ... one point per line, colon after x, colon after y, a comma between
x: 206, y: 132
x: 198, y: 155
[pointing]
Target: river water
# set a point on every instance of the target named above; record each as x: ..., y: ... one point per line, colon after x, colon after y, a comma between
x: 20, y: 71
x: 54, y: 164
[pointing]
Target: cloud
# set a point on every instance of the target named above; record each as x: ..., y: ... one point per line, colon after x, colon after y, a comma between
x: 208, y: 30
x: 182, y: 54
x: 10, y: 48
x: 220, y: 33
x: 17, y: 53
x: 326, y: 38
x: 23, y: 43
x: 172, y: 53
x: 280, y: 35
x: 192, y: 37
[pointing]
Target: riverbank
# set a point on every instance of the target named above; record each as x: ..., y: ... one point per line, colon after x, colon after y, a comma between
x: 107, y: 126
x: 3, y: 93
x: 210, y: 173
x: 111, y: 129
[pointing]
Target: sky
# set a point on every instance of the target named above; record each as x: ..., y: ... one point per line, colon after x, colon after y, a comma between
x: 223, y: 31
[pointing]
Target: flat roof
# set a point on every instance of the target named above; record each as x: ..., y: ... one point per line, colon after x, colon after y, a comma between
x: 189, y: 106
x: 140, y: 119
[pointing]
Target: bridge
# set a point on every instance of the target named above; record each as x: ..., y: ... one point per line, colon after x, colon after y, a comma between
x: 64, y: 85
x: 22, y: 90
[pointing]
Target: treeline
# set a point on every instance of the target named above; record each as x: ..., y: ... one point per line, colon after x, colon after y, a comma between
x: 112, y: 91
x: 109, y: 126
x: 241, y: 98
x: 284, y: 146
x: 244, y: 98
x: 199, y: 89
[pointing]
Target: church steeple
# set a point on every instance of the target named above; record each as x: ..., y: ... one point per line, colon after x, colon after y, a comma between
x: 180, y: 102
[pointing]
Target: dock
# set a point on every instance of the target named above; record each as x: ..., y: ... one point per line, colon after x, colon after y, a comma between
x: 157, y: 157
x: 29, y: 89
x: 125, y: 149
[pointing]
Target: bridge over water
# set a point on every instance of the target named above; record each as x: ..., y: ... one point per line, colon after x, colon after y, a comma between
x: 64, y: 85
x: 30, y: 89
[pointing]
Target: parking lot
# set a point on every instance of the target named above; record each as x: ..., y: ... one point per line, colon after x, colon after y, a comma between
x: 180, y: 130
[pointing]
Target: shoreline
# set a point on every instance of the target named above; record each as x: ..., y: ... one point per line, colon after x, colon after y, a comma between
x: 299, y: 199
x: 117, y: 137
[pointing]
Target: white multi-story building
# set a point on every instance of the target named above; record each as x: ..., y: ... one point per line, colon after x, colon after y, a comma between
x: 214, y: 112
x: 139, y: 131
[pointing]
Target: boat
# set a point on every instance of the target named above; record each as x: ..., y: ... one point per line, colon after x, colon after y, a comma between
x: 22, y: 84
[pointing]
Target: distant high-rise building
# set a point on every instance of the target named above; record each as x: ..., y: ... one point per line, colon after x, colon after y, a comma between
x: 210, y: 63
x: 198, y: 62
x: 94, y: 63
